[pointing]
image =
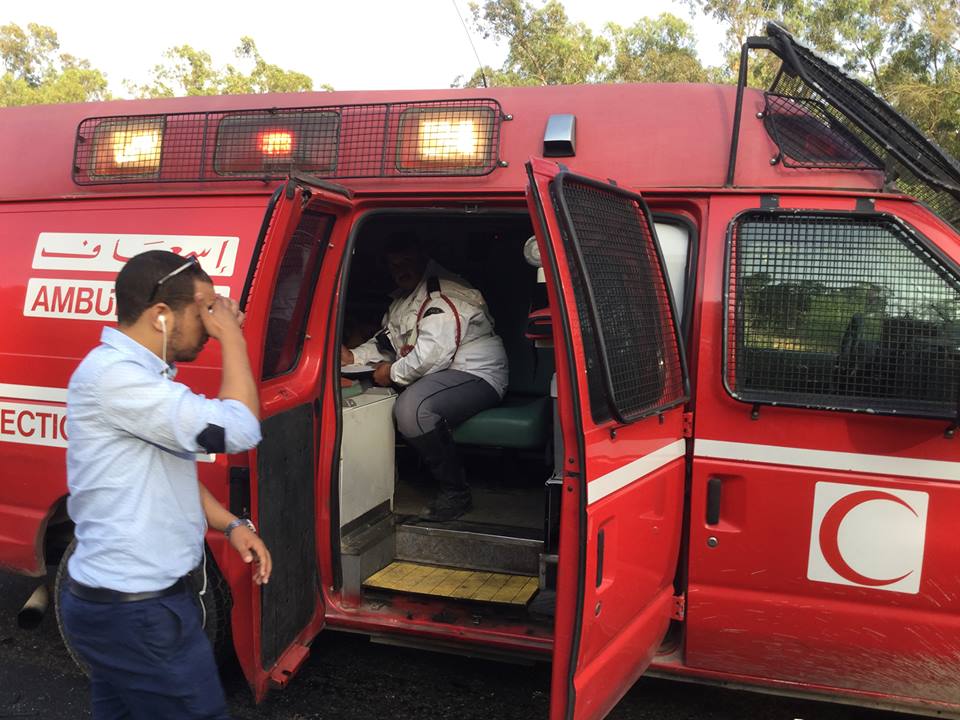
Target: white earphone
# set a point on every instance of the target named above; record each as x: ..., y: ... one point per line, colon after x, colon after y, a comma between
x: 163, y: 327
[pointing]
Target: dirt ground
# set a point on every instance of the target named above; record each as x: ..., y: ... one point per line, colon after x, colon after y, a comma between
x: 349, y: 678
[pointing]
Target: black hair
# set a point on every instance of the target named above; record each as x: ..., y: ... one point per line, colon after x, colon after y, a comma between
x: 137, y: 289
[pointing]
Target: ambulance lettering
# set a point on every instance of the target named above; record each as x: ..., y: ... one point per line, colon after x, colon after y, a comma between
x: 33, y: 424
x: 76, y: 299
x: 868, y: 537
x: 107, y: 252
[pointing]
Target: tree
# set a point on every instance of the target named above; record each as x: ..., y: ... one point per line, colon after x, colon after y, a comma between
x: 34, y: 72
x: 264, y: 77
x: 545, y: 48
x: 655, y: 50
x: 187, y: 71
x: 908, y: 51
x: 922, y: 75
x: 746, y: 18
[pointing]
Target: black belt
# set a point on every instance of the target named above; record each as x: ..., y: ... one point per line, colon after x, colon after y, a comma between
x: 105, y: 595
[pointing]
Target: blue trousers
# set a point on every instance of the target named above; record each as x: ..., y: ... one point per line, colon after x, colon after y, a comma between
x: 148, y: 660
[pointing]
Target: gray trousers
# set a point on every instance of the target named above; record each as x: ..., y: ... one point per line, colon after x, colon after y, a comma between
x: 449, y: 395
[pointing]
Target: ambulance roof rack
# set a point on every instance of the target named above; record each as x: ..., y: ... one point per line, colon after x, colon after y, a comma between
x: 849, y: 125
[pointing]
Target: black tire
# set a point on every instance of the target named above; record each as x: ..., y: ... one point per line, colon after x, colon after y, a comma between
x: 215, y: 603
x: 60, y: 586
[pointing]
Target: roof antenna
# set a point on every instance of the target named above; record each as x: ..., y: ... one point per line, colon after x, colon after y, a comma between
x: 470, y: 39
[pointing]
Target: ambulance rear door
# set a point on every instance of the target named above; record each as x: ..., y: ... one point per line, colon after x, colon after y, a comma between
x: 297, y: 257
x: 622, y: 388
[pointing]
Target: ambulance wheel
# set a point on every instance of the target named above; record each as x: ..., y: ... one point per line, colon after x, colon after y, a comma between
x: 60, y: 587
x: 215, y: 602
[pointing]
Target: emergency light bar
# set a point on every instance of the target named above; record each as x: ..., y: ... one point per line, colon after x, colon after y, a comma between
x: 437, y: 138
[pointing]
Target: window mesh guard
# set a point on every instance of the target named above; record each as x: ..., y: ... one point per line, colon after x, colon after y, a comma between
x: 809, y: 136
x: 623, y: 304
x: 439, y: 138
x: 850, y: 112
x: 841, y: 312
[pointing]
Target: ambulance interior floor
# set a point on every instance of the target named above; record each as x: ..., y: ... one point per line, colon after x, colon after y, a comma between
x: 508, y: 491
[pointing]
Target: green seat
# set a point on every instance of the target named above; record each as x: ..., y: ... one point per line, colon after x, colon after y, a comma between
x: 523, y: 420
x: 520, y: 421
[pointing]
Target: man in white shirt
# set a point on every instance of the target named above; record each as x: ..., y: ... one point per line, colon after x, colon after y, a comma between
x: 140, y: 512
x: 438, y: 343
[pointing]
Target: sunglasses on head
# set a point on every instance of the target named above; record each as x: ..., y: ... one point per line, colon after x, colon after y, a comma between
x: 192, y: 260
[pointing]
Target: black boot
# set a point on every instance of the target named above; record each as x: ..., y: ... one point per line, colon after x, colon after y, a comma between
x: 441, y: 458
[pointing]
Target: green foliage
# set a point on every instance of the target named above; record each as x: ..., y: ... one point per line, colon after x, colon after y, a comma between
x: 187, y: 71
x: 545, y: 48
x: 655, y: 50
x: 35, y: 73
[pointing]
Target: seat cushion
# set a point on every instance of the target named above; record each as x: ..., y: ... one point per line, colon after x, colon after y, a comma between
x: 520, y: 421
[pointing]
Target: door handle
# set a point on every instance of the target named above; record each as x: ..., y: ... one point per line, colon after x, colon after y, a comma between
x: 714, y: 488
x: 600, y: 558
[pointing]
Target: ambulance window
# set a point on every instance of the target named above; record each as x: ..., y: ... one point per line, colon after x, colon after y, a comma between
x: 841, y: 312
x: 675, y: 246
x: 618, y: 280
x: 299, y: 269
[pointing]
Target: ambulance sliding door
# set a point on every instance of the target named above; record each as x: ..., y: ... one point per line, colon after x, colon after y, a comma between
x: 824, y: 494
x: 622, y: 389
x: 299, y: 251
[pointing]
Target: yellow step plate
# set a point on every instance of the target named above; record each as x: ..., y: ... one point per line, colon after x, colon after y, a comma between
x: 452, y: 583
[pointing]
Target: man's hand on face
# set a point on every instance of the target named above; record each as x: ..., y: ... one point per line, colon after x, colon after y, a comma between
x: 252, y: 550
x: 220, y: 317
x: 346, y: 356
x: 381, y: 374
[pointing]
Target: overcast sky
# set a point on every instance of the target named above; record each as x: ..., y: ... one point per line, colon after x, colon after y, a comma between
x: 359, y: 45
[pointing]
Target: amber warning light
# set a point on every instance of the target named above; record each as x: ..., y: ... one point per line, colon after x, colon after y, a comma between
x: 441, y: 140
x: 129, y: 148
x: 276, y: 143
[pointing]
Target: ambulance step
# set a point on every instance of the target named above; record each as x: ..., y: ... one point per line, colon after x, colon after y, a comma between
x: 472, y: 546
x: 454, y: 583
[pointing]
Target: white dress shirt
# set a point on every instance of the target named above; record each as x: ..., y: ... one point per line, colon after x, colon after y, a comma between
x: 131, y: 466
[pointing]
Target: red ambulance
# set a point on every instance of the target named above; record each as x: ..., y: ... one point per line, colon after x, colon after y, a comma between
x: 728, y: 451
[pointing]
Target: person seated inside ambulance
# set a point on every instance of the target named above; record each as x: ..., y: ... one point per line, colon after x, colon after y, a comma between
x: 439, y: 347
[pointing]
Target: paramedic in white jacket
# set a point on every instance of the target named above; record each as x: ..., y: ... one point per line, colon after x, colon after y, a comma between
x: 438, y: 344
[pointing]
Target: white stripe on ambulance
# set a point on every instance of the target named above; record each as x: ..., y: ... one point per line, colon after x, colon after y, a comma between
x: 829, y: 459
x: 75, y: 299
x: 33, y: 424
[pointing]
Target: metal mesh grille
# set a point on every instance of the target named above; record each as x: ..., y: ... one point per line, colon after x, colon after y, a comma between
x: 619, y: 284
x: 917, y: 165
x: 810, y: 137
x: 457, y: 137
x: 841, y: 312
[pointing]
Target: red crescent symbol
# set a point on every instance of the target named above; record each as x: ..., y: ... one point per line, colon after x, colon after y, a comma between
x: 830, y: 531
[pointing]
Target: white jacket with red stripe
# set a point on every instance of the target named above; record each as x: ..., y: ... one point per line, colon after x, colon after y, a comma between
x: 427, y: 325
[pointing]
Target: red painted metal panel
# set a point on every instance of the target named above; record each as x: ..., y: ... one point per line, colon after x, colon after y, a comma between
x: 692, y: 125
x: 770, y: 594
x: 54, y: 309
x: 616, y: 511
